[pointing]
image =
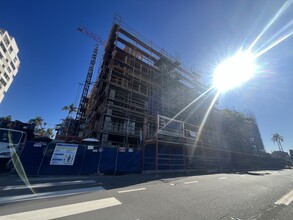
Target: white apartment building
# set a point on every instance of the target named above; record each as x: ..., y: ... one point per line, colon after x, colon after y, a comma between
x: 9, y: 62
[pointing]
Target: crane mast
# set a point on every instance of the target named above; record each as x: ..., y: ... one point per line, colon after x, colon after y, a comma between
x: 80, y: 111
x: 87, y: 83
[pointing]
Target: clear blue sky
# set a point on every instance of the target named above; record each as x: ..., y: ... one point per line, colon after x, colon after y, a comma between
x: 55, y: 56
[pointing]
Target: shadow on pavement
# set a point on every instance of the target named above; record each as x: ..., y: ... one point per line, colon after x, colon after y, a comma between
x: 126, y: 180
x: 120, y: 181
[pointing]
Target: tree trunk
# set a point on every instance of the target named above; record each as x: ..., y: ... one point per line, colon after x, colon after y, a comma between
x: 280, y: 146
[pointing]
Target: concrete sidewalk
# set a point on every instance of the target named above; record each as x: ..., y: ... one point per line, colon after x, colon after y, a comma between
x: 8, y: 179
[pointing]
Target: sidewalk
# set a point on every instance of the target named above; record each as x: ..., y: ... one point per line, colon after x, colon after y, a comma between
x: 13, y: 179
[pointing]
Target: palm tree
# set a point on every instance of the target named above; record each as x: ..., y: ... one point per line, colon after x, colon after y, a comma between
x: 7, y: 118
x: 71, y: 109
x: 49, y: 133
x: 276, y: 138
x: 40, y: 129
x: 38, y: 121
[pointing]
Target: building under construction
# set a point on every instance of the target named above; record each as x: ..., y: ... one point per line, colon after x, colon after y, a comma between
x: 143, y: 98
x: 139, y: 88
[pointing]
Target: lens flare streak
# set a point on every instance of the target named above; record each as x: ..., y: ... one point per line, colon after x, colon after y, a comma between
x: 241, y: 67
x: 206, y: 117
x: 277, y: 34
x: 18, y: 166
x: 19, y: 169
x: 186, y: 108
x: 277, y: 15
x: 272, y: 45
x: 248, y: 53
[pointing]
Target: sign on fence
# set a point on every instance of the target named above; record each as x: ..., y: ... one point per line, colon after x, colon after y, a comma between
x: 64, y: 154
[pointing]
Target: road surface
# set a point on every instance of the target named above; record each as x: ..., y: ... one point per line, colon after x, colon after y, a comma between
x: 252, y: 195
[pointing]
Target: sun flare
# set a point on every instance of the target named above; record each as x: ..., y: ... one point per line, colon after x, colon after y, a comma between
x: 234, y: 71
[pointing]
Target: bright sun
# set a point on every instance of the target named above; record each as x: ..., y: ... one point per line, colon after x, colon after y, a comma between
x: 234, y: 71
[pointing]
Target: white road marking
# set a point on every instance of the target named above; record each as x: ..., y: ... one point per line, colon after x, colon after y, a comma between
x: 65, y: 210
x: 42, y: 185
x: 131, y: 190
x: 286, y: 199
x: 223, y: 178
x: 191, y: 182
x: 8, y: 199
x: 172, y: 184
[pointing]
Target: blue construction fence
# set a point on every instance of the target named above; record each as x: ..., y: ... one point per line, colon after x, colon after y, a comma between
x: 168, y: 157
x: 178, y: 157
x: 74, y: 159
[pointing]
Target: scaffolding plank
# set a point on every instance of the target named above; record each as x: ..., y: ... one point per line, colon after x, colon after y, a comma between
x: 126, y: 43
x: 135, y: 39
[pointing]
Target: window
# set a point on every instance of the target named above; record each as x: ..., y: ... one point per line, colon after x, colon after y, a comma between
x: 10, y: 49
x: 3, y: 82
x: 23, y: 138
x: 6, y: 77
x: 1, y: 56
x: 12, y: 65
x: 10, y: 136
x: 6, y: 41
x: 9, y: 70
x: 3, y: 47
x: 15, y: 59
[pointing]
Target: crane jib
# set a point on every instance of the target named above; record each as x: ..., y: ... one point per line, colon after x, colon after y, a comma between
x: 87, y: 84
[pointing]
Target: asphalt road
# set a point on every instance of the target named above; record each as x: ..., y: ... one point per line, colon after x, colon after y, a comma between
x: 253, y: 195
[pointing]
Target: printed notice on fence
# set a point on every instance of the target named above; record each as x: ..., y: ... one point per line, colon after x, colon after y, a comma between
x: 64, y: 154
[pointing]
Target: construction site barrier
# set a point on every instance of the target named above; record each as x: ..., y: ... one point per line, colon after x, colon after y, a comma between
x: 170, y: 157
x: 36, y: 160
x: 36, y: 157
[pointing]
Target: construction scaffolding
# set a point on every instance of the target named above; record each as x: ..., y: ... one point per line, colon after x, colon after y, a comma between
x: 144, y: 98
x: 138, y: 83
